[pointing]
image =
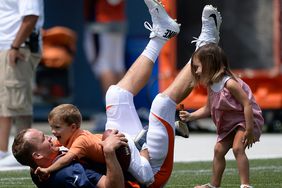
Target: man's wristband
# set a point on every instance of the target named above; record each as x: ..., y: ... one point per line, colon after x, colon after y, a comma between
x: 14, y: 48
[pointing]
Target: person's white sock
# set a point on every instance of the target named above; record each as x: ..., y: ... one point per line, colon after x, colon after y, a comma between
x: 153, y: 48
x: 3, y: 154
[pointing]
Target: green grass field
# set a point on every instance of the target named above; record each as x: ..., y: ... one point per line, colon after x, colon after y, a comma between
x: 265, y: 173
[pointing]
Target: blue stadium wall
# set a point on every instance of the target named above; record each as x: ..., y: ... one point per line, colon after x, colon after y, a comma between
x: 84, y: 87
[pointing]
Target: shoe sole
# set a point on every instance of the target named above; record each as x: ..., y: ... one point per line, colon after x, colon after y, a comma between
x: 162, y: 7
x: 175, y: 27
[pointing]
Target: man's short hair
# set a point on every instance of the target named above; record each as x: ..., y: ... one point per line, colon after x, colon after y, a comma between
x: 22, y: 150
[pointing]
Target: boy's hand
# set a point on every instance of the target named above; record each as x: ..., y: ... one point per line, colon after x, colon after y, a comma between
x: 42, y: 173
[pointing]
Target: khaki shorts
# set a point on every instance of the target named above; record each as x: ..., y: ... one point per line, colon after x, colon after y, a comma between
x: 16, y: 84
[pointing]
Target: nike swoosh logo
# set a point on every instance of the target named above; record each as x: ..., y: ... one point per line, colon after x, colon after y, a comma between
x: 214, y: 17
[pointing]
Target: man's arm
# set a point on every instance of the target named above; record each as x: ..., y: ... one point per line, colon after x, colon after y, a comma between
x: 114, y: 176
x: 24, y: 32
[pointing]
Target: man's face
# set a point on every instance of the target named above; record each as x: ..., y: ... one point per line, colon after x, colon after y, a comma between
x: 44, y: 145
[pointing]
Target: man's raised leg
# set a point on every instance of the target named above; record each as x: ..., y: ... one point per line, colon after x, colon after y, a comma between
x: 164, y: 28
x: 211, y: 22
x: 162, y: 116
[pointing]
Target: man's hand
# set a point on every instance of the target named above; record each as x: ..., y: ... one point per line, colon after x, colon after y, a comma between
x: 113, y: 141
x: 15, y: 56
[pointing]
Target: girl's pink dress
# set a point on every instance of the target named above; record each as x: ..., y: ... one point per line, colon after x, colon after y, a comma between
x: 228, y: 114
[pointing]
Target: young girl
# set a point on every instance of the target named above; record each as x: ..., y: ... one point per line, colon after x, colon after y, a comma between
x: 232, y: 107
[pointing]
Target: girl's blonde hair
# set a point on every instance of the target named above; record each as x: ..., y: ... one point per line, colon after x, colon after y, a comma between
x: 66, y: 113
x: 214, y: 64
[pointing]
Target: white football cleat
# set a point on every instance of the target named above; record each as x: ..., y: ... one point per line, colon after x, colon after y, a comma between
x: 211, y: 21
x: 163, y: 25
x: 181, y: 129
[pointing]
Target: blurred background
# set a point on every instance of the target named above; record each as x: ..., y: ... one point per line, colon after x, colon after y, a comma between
x: 250, y: 35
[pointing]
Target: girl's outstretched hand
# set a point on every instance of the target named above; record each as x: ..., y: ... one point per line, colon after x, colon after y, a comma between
x: 184, y: 115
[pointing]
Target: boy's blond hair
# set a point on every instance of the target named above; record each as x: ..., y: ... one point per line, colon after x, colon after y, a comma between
x: 65, y: 113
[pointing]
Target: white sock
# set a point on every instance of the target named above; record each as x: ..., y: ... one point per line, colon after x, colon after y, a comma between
x: 153, y: 48
x: 3, y: 154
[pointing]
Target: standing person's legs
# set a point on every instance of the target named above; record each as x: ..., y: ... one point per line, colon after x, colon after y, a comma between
x: 219, y: 162
x: 22, y: 122
x: 110, y: 65
x: 5, y: 127
x: 241, y: 156
x: 105, y: 55
x: 118, y: 64
x: 5, y: 122
x: 16, y: 92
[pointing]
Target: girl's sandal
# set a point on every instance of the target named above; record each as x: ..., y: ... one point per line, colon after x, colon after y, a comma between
x: 245, y: 186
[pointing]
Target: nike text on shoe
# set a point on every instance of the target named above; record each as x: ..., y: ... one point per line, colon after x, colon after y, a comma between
x: 211, y: 21
x: 163, y: 25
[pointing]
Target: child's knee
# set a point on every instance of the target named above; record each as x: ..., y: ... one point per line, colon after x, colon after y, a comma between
x: 220, y: 151
x: 237, y: 150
